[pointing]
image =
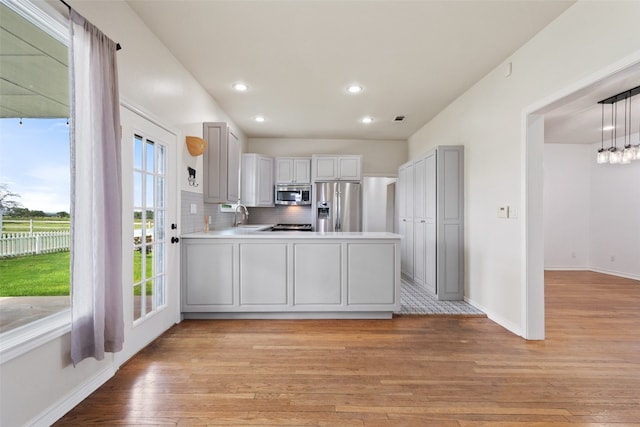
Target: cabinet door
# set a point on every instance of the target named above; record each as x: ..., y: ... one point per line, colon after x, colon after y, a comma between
x: 317, y: 270
x: 215, y: 163
x: 233, y: 168
x: 325, y: 168
x: 349, y: 168
x: 302, y: 171
x: 265, y: 181
x: 419, y: 252
x: 284, y: 170
x: 409, y: 192
x: 419, y: 189
x: 450, y: 222
x: 402, y: 192
x: 370, y: 272
x: 207, y: 275
x: 405, y: 228
x: 263, y: 273
x: 430, y: 222
x: 419, y: 222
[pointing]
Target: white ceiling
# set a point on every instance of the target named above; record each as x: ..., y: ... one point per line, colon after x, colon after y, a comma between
x: 413, y: 58
x: 34, y: 79
x: 578, y: 118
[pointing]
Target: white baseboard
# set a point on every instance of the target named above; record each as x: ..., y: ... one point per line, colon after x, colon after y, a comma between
x: 616, y: 273
x: 68, y: 402
x: 507, y: 324
x: 596, y: 270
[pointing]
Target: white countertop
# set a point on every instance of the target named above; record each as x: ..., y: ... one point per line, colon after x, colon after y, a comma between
x: 253, y: 232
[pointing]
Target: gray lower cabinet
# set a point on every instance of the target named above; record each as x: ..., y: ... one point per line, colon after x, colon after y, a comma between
x: 362, y: 272
x: 206, y: 264
x: 257, y: 275
x: 317, y: 273
x: 263, y: 273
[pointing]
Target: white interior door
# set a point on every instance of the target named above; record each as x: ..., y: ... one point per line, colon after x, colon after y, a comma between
x: 150, y: 214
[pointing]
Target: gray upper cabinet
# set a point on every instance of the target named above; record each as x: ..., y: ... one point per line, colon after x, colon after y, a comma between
x: 346, y: 167
x: 257, y: 180
x: 221, y: 164
x: 293, y: 170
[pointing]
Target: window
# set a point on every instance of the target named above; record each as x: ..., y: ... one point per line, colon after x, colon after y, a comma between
x: 34, y: 170
x: 149, y: 213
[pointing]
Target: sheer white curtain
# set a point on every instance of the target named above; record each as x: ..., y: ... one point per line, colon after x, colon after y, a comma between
x: 96, y: 202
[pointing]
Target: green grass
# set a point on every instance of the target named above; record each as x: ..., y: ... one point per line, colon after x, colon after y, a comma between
x: 35, y: 275
x: 48, y: 274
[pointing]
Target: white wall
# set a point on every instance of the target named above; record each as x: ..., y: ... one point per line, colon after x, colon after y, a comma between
x: 379, y: 157
x: 615, y: 219
x: 488, y: 121
x: 378, y: 203
x: 40, y: 383
x: 590, y: 210
x: 567, y: 205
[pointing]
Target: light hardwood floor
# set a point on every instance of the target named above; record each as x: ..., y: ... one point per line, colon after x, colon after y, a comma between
x: 412, y: 370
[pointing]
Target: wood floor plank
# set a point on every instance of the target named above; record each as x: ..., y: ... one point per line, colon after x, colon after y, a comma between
x: 407, y: 371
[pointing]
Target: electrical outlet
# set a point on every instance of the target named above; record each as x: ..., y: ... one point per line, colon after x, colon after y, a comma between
x: 573, y: 255
x: 194, y: 208
x: 613, y: 258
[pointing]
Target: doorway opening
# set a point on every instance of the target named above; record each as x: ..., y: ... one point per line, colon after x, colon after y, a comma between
x: 534, y: 119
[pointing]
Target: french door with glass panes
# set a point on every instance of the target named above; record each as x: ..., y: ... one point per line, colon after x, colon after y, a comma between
x: 151, y: 253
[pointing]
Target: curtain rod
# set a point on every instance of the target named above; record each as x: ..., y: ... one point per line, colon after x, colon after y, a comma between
x: 118, y: 47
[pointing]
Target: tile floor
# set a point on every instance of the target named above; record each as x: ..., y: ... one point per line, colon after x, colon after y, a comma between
x: 416, y: 300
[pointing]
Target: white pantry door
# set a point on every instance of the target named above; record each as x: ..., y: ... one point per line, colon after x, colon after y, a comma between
x: 151, y: 252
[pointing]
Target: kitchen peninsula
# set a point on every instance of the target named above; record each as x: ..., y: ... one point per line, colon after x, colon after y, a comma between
x: 249, y: 273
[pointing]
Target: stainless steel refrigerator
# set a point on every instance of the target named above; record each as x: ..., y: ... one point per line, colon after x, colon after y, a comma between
x: 338, y: 206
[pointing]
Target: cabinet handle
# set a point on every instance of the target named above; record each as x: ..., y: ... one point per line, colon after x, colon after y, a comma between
x: 175, y: 240
x: 174, y: 226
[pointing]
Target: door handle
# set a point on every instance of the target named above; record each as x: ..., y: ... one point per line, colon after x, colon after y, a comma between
x: 175, y: 239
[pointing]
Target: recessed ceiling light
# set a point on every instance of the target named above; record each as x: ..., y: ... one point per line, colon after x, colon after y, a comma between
x: 259, y: 119
x: 240, y: 87
x: 354, y: 88
x: 367, y: 120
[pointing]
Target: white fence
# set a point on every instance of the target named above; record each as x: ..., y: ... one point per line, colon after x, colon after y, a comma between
x: 25, y: 243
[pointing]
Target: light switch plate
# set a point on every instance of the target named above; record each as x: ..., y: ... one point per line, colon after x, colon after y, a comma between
x: 503, y: 211
x: 194, y: 208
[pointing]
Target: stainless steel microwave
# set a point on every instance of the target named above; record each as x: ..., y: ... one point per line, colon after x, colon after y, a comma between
x: 292, y: 194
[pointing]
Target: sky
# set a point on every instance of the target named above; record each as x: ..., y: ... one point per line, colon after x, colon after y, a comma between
x: 34, y: 162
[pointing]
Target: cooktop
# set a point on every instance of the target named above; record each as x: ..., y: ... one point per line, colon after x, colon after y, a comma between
x: 292, y: 227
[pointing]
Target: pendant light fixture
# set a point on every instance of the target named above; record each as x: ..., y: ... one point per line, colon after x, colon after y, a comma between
x: 635, y: 149
x: 603, y: 155
x: 628, y: 151
x: 615, y: 156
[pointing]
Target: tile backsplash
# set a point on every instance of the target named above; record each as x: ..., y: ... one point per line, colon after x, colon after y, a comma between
x: 191, y: 223
x: 281, y: 215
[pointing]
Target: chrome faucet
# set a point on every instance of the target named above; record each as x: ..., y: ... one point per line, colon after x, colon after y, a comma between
x: 245, y: 214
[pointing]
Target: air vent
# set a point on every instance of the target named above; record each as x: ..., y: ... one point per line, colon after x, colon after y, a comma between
x: 399, y: 119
